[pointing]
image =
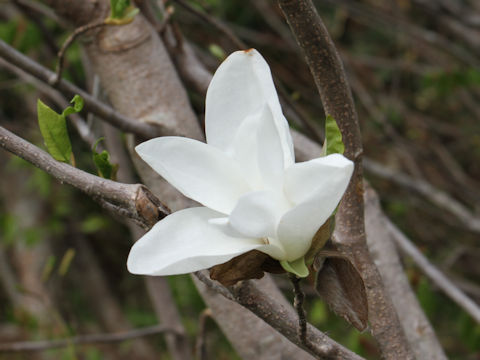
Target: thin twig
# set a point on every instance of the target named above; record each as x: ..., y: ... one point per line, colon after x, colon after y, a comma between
x: 102, y: 110
x: 61, y: 54
x: 201, y: 344
x: 42, y: 9
x: 213, y: 285
x: 435, y: 195
x: 373, y: 16
x: 214, y: 22
x: 169, y: 11
x: 439, y: 279
x: 298, y: 300
x: 29, y: 346
x: 80, y: 125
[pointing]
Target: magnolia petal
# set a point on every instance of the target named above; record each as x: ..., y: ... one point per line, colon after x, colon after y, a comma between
x: 257, y: 214
x: 183, y: 242
x: 199, y: 171
x: 240, y: 87
x: 316, y: 186
x: 331, y: 173
x: 245, y: 149
x: 270, y: 155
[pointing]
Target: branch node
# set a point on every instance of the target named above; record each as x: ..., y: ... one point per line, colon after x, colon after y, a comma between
x: 149, y: 207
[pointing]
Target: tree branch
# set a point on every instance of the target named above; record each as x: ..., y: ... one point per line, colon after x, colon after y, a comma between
x: 135, y: 198
x: 104, y: 111
x: 285, y: 320
x: 436, y: 196
x: 440, y: 280
x: 417, y: 328
x: 329, y: 76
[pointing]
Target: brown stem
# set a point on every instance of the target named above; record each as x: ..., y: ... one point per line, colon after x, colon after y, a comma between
x: 27, y: 346
x: 135, y: 198
x: 418, y: 330
x: 61, y: 54
x: 299, y: 297
x: 201, y: 346
x: 285, y: 321
x: 329, y: 75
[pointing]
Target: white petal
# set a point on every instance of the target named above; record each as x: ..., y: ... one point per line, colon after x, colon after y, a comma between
x: 257, y: 214
x: 240, y: 87
x: 331, y: 173
x: 316, y: 186
x: 184, y: 242
x: 270, y: 154
x: 258, y: 149
x: 245, y: 149
x: 201, y: 172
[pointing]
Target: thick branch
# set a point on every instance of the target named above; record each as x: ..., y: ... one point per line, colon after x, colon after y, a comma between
x: 91, y: 104
x: 329, y: 75
x: 135, y: 198
x: 418, y: 330
x: 285, y: 320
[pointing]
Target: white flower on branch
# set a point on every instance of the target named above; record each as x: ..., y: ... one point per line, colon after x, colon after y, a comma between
x: 254, y: 195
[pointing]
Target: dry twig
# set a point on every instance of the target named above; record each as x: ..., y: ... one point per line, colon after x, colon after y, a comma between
x: 438, y: 278
x: 29, y: 346
x: 73, y: 36
x: 91, y: 104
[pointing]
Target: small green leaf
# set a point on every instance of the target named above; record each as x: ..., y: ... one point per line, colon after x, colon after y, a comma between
x: 333, y: 138
x: 53, y: 127
x: 66, y: 261
x: 121, y: 12
x: 93, y: 224
x: 48, y: 268
x: 54, y: 131
x: 118, y: 7
x: 296, y: 267
x: 217, y: 51
x: 105, y: 168
x: 77, y: 102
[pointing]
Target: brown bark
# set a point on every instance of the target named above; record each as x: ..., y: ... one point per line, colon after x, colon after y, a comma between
x: 329, y: 76
x: 415, y: 324
x: 232, y: 319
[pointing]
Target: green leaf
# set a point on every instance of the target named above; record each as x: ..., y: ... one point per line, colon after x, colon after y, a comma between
x: 105, y: 168
x: 121, y: 12
x: 77, y: 102
x: 66, y: 261
x: 118, y: 7
x: 296, y: 267
x: 93, y: 224
x: 53, y: 127
x: 48, y: 268
x: 217, y: 51
x: 333, y: 138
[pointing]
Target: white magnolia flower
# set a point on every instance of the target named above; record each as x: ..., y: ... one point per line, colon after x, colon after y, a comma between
x: 254, y: 194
